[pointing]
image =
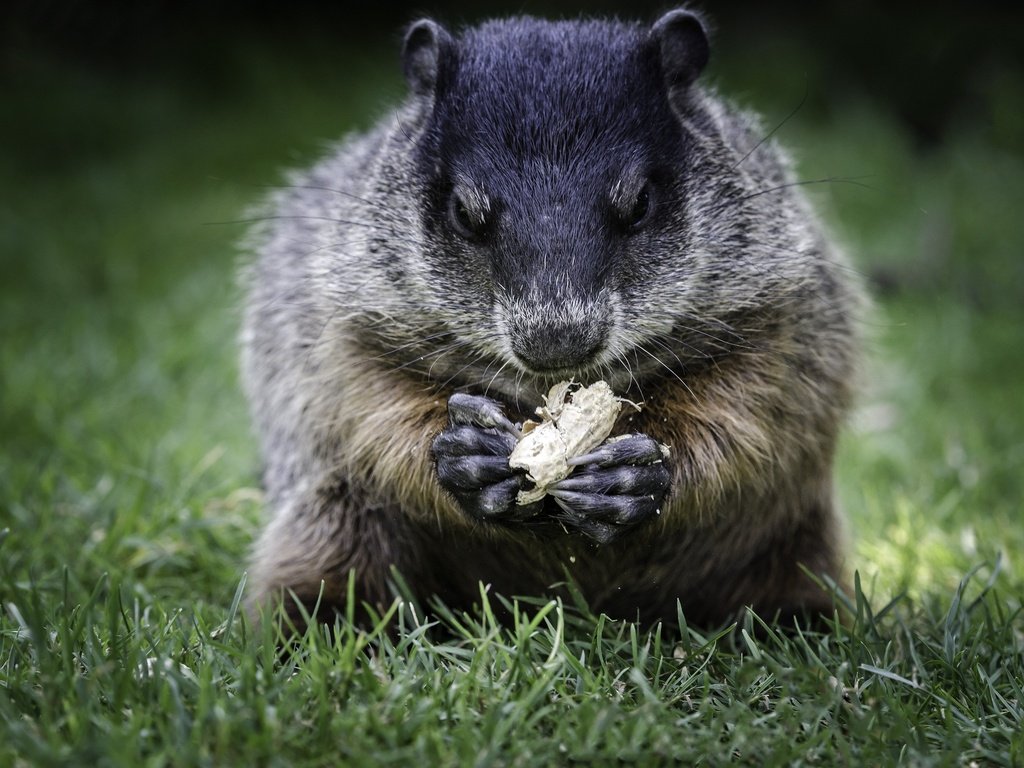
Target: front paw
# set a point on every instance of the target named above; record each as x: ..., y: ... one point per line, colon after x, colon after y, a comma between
x: 618, y: 486
x: 471, y: 456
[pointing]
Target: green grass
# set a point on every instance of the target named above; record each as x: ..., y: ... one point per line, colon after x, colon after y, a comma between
x: 128, y: 498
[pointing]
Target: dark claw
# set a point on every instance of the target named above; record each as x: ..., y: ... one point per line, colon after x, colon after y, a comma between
x: 651, y: 480
x: 472, y: 472
x: 620, y: 510
x: 602, y: 533
x: 629, y: 449
x: 472, y: 441
x: 479, y: 411
x: 497, y: 502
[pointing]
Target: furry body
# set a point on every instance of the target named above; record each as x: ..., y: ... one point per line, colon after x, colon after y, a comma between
x: 725, y: 311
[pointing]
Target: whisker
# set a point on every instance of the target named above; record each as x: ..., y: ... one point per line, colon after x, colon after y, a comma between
x: 316, y: 187
x: 450, y: 379
x: 668, y: 349
x: 495, y: 376
x: 853, y: 180
x: 772, y: 132
x: 414, y: 342
x: 675, y: 375
x: 309, y: 217
x: 414, y: 361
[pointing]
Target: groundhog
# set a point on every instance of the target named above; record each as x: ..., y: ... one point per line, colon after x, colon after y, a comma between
x: 554, y: 201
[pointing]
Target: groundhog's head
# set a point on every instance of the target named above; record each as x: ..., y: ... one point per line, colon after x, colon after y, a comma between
x: 569, y: 172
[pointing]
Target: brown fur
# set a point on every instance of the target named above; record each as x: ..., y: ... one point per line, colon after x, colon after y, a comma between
x: 751, y: 506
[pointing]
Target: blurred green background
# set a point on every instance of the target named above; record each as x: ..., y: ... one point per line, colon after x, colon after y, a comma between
x: 131, y: 137
x: 134, y: 137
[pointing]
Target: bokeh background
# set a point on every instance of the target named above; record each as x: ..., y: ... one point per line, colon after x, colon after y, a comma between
x: 134, y: 137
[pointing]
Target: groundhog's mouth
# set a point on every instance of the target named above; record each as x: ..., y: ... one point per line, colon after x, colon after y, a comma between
x: 524, y: 389
x: 554, y: 365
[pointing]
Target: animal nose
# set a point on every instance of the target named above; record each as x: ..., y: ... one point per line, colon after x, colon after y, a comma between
x: 558, y: 351
x: 547, y: 337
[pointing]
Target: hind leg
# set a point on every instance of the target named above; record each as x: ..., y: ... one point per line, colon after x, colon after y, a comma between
x: 786, y: 580
x: 304, y: 556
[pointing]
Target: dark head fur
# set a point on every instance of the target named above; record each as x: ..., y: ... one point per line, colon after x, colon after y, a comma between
x: 553, y: 159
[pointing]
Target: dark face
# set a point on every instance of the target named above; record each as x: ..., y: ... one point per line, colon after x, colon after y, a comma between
x: 555, y: 167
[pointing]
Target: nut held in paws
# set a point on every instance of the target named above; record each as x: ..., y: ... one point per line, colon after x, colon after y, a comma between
x: 574, y: 421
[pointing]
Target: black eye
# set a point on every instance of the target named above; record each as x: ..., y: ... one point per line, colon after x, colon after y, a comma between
x: 633, y: 211
x: 467, y: 222
x: 636, y: 213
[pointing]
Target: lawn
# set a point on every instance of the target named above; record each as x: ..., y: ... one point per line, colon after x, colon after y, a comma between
x: 128, y: 474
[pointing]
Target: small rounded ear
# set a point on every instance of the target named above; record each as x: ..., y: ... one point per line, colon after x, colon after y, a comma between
x: 427, y: 45
x: 683, y: 45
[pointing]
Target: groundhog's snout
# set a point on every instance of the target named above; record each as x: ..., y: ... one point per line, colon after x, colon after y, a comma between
x: 556, y: 336
x: 558, y: 349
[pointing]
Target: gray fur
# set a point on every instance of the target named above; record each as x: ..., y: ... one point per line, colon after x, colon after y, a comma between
x: 739, y: 335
